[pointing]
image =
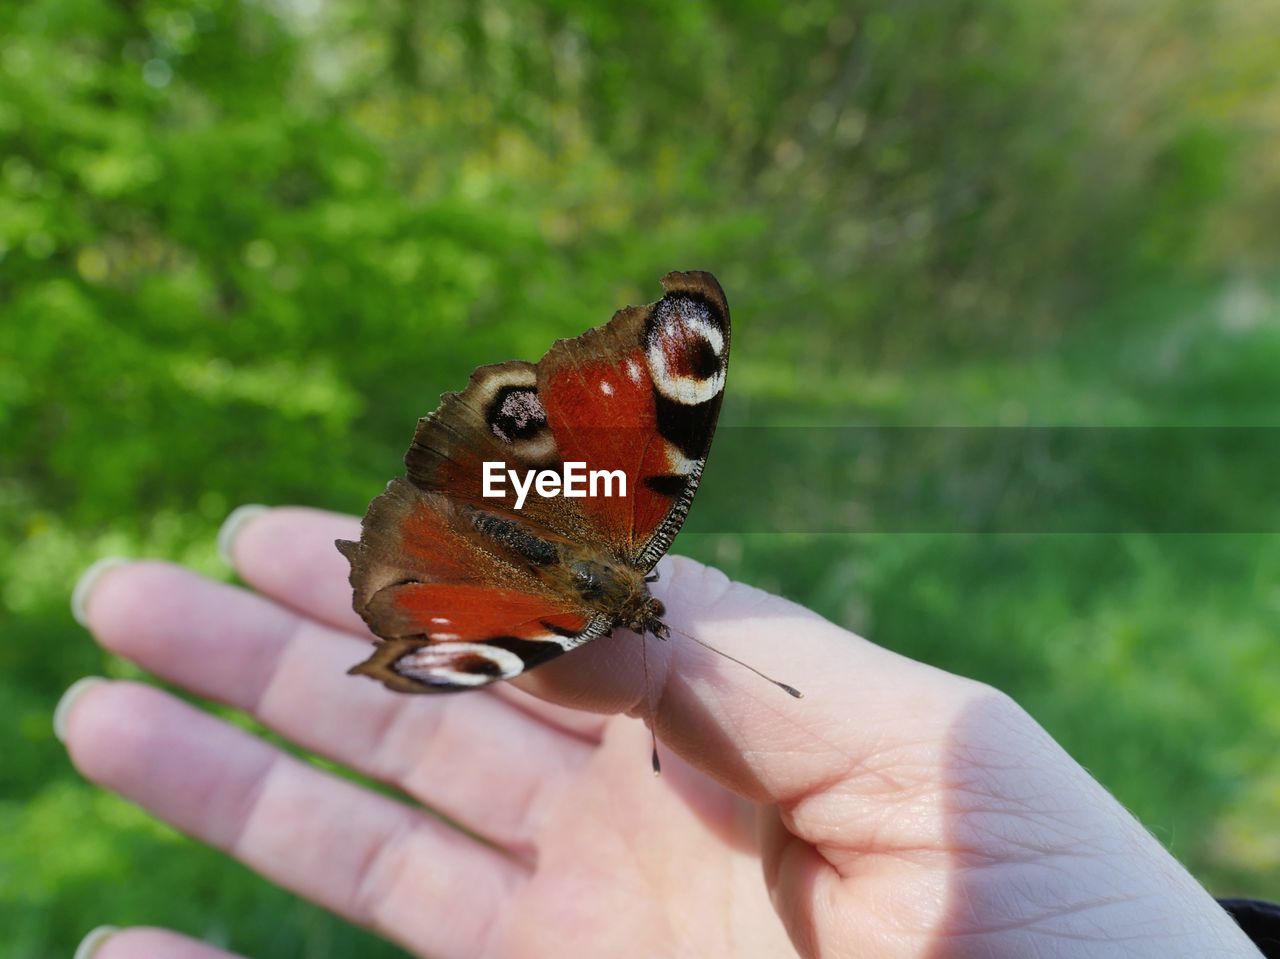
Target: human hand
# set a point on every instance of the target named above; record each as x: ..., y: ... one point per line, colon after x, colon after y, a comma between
x: 895, y: 811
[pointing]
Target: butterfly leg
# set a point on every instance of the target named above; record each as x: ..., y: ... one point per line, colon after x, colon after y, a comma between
x: 652, y: 577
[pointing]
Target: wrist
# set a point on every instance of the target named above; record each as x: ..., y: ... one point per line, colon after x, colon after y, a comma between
x: 1057, y: 859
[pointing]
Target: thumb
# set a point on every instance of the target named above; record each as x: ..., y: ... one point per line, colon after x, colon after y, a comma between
x: 733, y: 725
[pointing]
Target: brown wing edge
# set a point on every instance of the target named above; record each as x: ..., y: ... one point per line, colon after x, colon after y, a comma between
x: 459, y: 411
x: 699, y: 283
x: 380, y: 665
x: 369, y: 575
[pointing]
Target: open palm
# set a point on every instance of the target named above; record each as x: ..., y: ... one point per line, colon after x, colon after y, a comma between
x: 895, y: 811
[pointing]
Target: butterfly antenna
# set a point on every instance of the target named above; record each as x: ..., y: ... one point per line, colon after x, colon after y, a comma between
x: 648, y: 697
x: 789, y: 690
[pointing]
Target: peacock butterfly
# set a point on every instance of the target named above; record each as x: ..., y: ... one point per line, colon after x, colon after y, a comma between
x: 463, y: 586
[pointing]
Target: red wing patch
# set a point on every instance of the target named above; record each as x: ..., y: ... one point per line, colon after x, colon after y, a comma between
x: 449, y: 613
x: 642, y: 395
x: 406, y: 535
x: 603, y: 414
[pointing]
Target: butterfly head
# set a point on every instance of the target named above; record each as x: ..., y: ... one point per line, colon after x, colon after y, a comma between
x: 653, y: 622
x: 648, y: 618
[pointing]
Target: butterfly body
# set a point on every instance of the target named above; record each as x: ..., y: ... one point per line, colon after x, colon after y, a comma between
x: 465, y: 586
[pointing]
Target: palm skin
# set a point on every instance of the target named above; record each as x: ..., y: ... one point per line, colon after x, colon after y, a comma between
x: 895, y: 811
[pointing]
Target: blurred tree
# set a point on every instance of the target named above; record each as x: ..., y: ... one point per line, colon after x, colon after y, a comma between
x: 244, y: 242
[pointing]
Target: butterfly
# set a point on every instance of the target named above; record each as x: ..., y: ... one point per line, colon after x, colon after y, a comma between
x: 464, y: 581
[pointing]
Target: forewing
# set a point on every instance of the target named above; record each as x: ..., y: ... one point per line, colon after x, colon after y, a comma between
x: 641, y: 395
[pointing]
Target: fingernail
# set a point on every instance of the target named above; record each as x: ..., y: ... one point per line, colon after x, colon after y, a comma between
x: 231, y: 527
x: 91, y: 943
x: 63, y: 710
x: 84, y: 587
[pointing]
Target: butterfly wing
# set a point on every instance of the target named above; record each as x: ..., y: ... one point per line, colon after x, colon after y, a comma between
x: 453, y: 597
x: 454, y: 581
x: 641, y: 395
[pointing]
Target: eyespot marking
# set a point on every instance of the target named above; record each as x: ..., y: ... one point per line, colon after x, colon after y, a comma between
x: 460, y: 664
x: 685, y: 349
x: 516, y: 414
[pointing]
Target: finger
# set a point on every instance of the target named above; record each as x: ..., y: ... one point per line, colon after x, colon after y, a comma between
x: 287, y: 553
x: 747, y: 734
x: 144, y: 942
x: 241, y: 649
x: 371, y: 859
x: 737, y: 727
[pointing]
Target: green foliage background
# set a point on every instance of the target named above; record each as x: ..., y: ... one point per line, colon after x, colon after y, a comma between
x: 245, y: 243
